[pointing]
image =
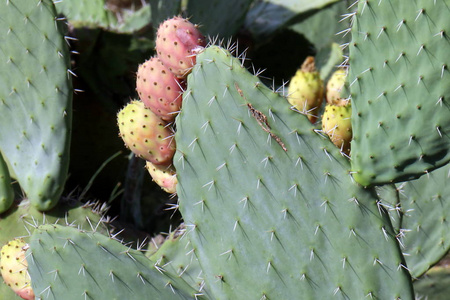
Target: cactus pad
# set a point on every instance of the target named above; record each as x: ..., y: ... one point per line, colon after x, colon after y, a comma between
x: 260, y: 190
x: 65, y: 261
x: 35, y: 98
x: 6, y: 189
x: 400, y: 88
x: 425, y: 232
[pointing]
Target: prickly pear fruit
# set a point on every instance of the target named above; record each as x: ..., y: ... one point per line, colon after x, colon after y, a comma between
x: 14, y: 268
x: 306, y: 90
x: 177, y: 42
x: 164, y: 176
x: 334, y: 88
x: 145, y: 134
x: 336, y: 123
x: 159, y: 89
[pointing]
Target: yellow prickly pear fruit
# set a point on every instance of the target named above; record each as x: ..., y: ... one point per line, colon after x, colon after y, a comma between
x: 336, y: 123
x: 14, y: 268
x: 334, y: 88
x: 306, y: 90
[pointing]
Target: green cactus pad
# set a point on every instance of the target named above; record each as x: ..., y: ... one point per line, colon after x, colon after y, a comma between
x: 389, y: 198
x: 35, y: 98
x: 6, y: 189
x: 274, y: 215
x: 435, y: 284
x: 400, y: 88
x: 426, y: 210
x: 177, y: 257
x: 66, y: 263
x: 87, y: 13
x: 21, y: 219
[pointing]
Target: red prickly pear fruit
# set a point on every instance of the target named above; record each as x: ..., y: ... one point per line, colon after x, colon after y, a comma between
x: 164, y: 176
x: 14, y: 268
x: 159, y: 89
x: 306, y: 90
x: 145, y: 134
x: 335, y: 86
x: 337, y: 124
x: 177, y: 43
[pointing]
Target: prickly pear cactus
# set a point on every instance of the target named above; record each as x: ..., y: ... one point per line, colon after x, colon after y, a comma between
x: 400, y: 95
x: 22, y: 218
x: 435, y: 284
x: 425, y: 232
x: 177, y: 256
x: 269, y: 205
x: 35, y: 98
x: 95, y: 266
x: 88, y: 13
x: 6, y: 190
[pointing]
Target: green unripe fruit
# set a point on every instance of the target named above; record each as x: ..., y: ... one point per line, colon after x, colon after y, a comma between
x: 336, y: 123
x: 306, y: 90
x: 335, y: 86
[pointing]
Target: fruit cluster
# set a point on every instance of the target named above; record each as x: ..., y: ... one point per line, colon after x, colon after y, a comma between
x: 146, y: 125
x: 306, y: 93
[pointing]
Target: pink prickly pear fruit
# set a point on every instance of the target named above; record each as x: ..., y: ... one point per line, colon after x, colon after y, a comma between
x: 336, y: 123
x: 14, y: 268
x: 145, y: 134
x: 335, y: 86
x: 177, y: 43
x: 306, y: 90
x: 164, y: 176
x: 159, y: 89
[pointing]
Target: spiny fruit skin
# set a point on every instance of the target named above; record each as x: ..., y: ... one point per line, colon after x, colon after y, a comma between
x: 164, y: 176
x: 336, y: 123
x: 177, y: 41
x: 334, y: 88
x: 306, y: 90
x: 145, y: 134
x: 14, y: 268
x: 159, y: 89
